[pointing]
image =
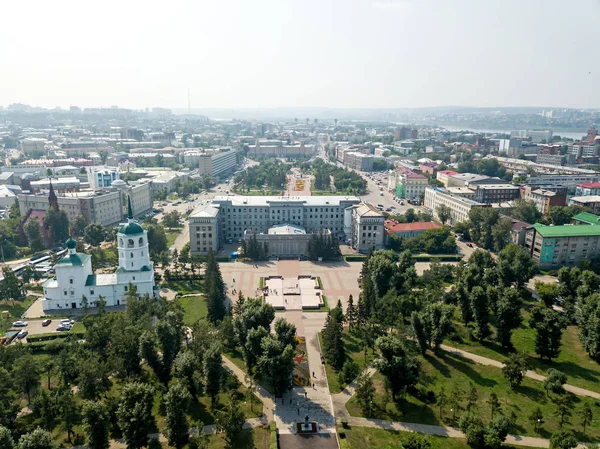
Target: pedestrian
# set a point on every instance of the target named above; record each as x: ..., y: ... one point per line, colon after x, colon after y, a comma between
x: 234, y: 280
x: 314, y: 374
x: 305, y: 395
x: 298, y: 411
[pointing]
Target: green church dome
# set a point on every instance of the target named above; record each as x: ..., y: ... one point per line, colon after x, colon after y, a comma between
x: 70, y: 244
x: 131, y: 228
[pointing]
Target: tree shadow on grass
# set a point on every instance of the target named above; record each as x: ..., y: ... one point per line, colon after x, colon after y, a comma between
x: 570, y: 369
x: 535, y: 394
x: 465, y: 367
x: 439, y: 366
x: 245, y: 440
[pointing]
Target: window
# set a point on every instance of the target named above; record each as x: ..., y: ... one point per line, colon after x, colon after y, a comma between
x: 125, y: 288
x: 132, y: 264
x: 70, y: 280
x: 131, y: 255
x: 141, y: 241
x: 134, y: 278
x: 91, y: 292
x: 72, y: 293
x: 65, y: 292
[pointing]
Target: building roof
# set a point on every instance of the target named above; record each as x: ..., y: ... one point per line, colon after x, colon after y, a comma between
x: 367, y: 210
x: 589, y: 185
x: 414, y: 175
x: 205, y: 211
x: 75, y: 260
x: 418, y: 226
x: 586, y: 199
x: 239, y: 200
x: 101, y: 279
x: 566, y: 230
x: 287, y: 229
x: 588, y: 218
x: 448, y: 172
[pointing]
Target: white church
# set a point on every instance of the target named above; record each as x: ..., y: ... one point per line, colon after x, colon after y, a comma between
x: 75, y: 278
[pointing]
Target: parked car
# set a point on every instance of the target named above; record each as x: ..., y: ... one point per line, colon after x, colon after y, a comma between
x: 20, y: 323
x: 63, y: 327
x: 67, y: 321
x: 46, y: 322
x: 22, y: 334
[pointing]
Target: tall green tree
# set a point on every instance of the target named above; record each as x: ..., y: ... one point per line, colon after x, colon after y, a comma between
x: 401, y: 368
x: 277, y: 363
x: 480, y: 312
x: 444, y: 213
x: 27, y: 374
x: 94, y: 234
x: 79, y: 225
x: 230, y: 420
x: 549, y: 326
x: 554, y: 382
x: 586, y: 415
x: 515, y: 266
x: 564, y: 408
x: 508, y: 314
x: 563, y: 440
x: 69, y: 412
x: 213, y: 372
x: 33, y: 231
x: 333, y: 344
x: 514, y: 369
x: 11, y: 286
x: 37, y: 439
x: 215, y: 289
x: 177, y: 401
x: 365, y: 393
x: 6, y: 439
x: 96, y: 424
x: 134, y: 414
x: 56, y: 223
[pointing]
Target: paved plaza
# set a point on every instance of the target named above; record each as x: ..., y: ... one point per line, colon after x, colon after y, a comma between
x: 294, y: 293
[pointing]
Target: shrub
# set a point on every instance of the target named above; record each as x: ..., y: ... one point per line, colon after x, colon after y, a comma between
x: 344, y: 423
x: 350, y: 371
x: 319, y: 283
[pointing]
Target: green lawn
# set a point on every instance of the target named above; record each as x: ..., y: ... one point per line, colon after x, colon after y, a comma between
x: 194, y: 309
x: 186, y: 287
x: 452, y: 372
x: 249, y: 439
x: 15, y: 308
x: 172, y: 235
x: 354, y: 352
x: 580, y: 369
x: 366, y: 437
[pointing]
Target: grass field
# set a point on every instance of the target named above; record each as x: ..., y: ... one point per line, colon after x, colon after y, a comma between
x: 354, y: 352
x: 15, y: 308
x: 365, y: 438
x: 172, y: 235
x: 194, y: 309
x: 452, y: 372
x: 580, y: 369
x: 186, y: 287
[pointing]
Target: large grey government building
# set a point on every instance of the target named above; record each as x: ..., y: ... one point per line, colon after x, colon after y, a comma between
x: 274, y: 219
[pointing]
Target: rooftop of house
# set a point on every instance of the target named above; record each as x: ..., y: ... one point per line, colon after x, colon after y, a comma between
x: 587, y: 218
x: 567, y: 230
x: 393, y: 227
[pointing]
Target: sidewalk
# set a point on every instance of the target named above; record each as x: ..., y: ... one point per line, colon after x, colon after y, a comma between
x: 531, y: 374
x: 445, y: 431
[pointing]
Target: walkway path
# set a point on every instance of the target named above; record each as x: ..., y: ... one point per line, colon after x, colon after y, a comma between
x: 531, y: 374
x: 445, y: 431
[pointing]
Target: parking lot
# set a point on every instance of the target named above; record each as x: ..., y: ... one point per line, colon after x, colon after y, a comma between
x: 34, y: 327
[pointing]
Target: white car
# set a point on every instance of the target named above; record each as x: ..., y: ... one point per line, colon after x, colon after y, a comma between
x: 67, y: 322
x: 20, y: 324
x: 22, y: 334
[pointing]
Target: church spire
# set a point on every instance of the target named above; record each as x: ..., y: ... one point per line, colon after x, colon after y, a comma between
x: 129, y: 209
x: 52, y: 199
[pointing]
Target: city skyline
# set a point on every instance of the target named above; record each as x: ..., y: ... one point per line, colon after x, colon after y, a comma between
x: 350, y: 55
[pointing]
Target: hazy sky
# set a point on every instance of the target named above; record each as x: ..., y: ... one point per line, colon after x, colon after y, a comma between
x: 308, y: 53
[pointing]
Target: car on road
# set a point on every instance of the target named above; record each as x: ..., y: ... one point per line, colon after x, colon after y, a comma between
x: 22, y: 334
x: 389, y: 209
x: 46, y: 322
x: 380, y: 205
x: 164, y: 204
x: 20, y: 323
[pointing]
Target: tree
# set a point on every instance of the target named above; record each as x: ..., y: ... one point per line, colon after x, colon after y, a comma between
x: 514, y: 369
x: 94, y: 234
x: 68, y: 412
x: 563, y: 440
x: 56, y: 223
x: 547, y: 292
x: 333, y: 345
x: 134, y: 414
x: 472, y: 397
x: 176, y: 403
x: 37, y: 439
x: 586, y: 415
x: 79, y: 225
x: 96, y: 424
x: 537, y: 419
x: 27, y: 374
x: 496, y: 432
x: 432, y: 325
x: 480, y: 312
x: 171, y: 219
x: 473, y: 429
x: 93, y: 378
x: 285, y: 332
x: 554, y: 382
x: 44, y: 408
x: 455, y: 399
x: 351, y: 312
x: 564, y: 406
x: 185, y: 366
x: 515, y: 266
x: 349, y: 371
x: 11, y: 286
x: 33, y: 231
x: 549, y: 326
x: 277, y: 363
x: 508, y: 313
x: 157, y: 239
x: 365, y: 393
x: 230, y: 419
x: 494, y: 403
x: 213, y: 372
x: 441, y: 402
x: 215, y: 289
x: 526, y: 210
x: 444, y: 213
x: 400, y: 368
x: 6, y: 439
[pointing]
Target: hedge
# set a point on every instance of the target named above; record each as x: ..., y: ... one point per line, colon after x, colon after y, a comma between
x: 319, y: 283
x: 53, y: 336
x: 416, y: 257
x: 223, y: 259
x: 273, y: 436
x: 355, y: 258
x: 261, y: 283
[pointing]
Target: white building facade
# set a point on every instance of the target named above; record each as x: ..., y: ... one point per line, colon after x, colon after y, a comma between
x: 75, y: 279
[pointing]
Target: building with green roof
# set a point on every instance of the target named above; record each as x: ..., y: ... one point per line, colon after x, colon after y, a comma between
x: 75, y: 279
x: 555, y: 246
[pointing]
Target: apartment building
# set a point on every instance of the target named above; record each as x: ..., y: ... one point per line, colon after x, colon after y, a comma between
x: 569, y: 181
x: 101, y: 177
x: 106, y: 207
x: 409, y: 230
x: 496, y: 193
x: 211, y: 162
x: 368, y: 230
x: 544, y: 198
x: 459, y: 206
x: 443, y: 176
x: 204, y: 229
x: 358, y: 161
x: 587, y: 189
x: 410, y: 185
x: 554, y: 246
x: 592, y: 202
x: 280, y: 148
x: 471, y: 180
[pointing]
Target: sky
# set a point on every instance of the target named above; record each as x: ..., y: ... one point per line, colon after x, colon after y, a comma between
x: 300, y: 53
